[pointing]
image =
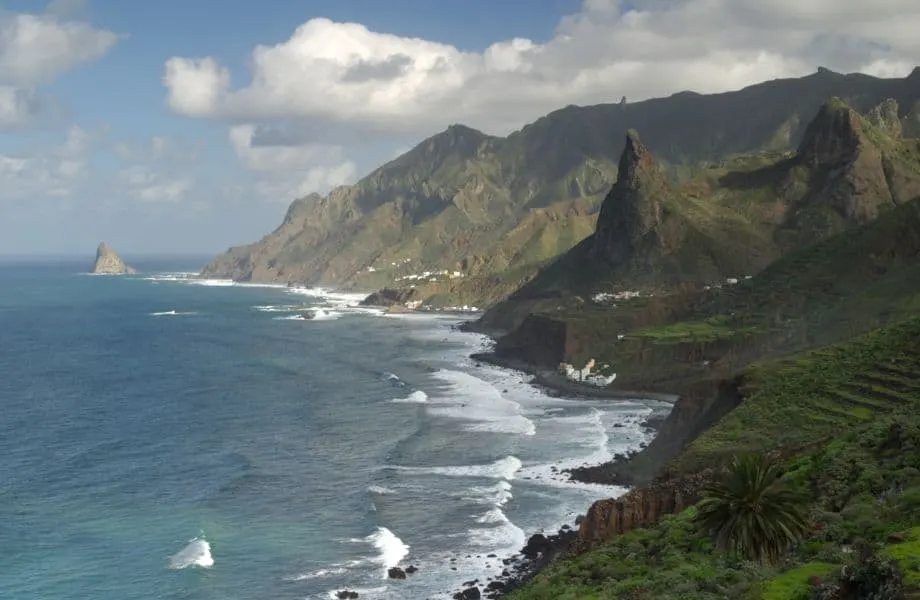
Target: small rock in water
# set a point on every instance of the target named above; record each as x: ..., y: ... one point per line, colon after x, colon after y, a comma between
x: 411, y: 569
x: 396, y: 573
x: 468, y: 594
x: 346, y: 595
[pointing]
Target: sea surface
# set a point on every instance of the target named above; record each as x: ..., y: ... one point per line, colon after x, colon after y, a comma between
x: 169, y: 438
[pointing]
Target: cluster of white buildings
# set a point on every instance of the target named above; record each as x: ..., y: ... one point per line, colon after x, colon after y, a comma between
x: 602, y: 297
x: 585, y: 374
x: 430, y: 275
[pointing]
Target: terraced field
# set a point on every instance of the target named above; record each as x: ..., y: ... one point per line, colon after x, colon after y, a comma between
x: 800, y: 400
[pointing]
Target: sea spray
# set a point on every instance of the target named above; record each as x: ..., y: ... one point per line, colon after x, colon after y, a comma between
x: 391, y: 548
x: 197, y: 553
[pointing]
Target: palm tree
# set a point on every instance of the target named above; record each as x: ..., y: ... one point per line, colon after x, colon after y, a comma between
x: 749, y: 511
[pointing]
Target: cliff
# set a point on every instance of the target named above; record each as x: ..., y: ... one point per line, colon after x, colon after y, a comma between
x: 109, y: 263
x: 637, y: 509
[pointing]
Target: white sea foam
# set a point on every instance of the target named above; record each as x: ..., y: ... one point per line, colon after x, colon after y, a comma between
x: 391, y: 549
x: 379, y: 489
x: 473, y: 399
x: 501, y: 535
x: 504, y: 468
x: 394, y: 379
x: 320, y: 314
x: 172, y: 313
x: 498, y: 495
x: 196, y: 554
x: 416, y: 397
x: 320, y: 574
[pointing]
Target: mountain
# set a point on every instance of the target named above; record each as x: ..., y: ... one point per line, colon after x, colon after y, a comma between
x: 732, y: 219
x: 480, y: 214
x: 109, y: 263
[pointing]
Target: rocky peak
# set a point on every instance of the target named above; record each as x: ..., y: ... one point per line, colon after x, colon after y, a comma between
x: 634, y: 205
x: 885, y: 118
x: 833, y: 136
x: 109, y: 263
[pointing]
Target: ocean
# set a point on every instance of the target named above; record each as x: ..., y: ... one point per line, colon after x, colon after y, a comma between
x: 163, y: 437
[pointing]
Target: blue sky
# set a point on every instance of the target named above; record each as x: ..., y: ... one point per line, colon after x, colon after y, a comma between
x: 161, y: 127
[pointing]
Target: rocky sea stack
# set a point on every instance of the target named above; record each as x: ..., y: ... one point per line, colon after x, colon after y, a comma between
x: 109, y: 263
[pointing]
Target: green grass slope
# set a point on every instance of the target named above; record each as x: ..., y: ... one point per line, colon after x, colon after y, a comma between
x: 846, y: 418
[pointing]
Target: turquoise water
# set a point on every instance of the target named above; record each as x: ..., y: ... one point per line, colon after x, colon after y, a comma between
x: 163, y: 438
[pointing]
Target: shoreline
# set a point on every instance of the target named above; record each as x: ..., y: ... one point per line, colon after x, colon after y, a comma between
x: 541, y: 549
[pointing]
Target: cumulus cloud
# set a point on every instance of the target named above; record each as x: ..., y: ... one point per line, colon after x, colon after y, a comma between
x: 36, y: 49
x: 288, y: 170
x: 156, y: 170
x: 345, y: 73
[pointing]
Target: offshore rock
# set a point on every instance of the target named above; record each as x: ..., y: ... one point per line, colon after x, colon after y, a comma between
x: 109, y: 263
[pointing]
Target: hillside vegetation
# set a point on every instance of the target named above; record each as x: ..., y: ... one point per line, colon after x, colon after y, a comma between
x: 844, y: 419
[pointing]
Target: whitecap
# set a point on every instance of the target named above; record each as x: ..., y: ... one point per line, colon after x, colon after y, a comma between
x: 197, y: 553
x: 391, y: 549
x: 320, y: 574
x: 502, y: 533
x: 479, y: 402
x: 504, y: 468
x: 416, y: 397
x: 379, y: 489
x: 172, y: 313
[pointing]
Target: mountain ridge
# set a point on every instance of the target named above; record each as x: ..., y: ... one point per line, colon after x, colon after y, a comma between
x: 484, y: 206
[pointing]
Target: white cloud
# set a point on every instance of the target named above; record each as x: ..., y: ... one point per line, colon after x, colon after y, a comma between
x: 156, y: 170
x: 145, y: 184
x: 54, y: 172
x: 36, y: 49
x: 284, y: 172
x: 345, y: 73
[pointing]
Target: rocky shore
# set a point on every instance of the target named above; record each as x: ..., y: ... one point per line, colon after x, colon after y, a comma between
x: 520, y: 568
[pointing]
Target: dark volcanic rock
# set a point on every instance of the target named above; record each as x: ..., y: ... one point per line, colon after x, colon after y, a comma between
x: 346, y: 595
x: 390, y: 297
x: 472, y: 593
x: 537, y: 544
x: 396, y: 573
x: 411, y: 569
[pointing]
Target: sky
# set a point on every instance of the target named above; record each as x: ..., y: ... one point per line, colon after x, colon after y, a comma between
x: 179, y: 127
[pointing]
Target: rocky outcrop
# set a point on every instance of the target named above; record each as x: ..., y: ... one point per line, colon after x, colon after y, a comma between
x: 390, y: 297
x: 109, y: 263
x: 638, y: 508
x: 859, y: 161
x: 634, y: 208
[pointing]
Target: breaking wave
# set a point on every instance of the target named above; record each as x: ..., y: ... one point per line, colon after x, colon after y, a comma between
x: 197, y: 553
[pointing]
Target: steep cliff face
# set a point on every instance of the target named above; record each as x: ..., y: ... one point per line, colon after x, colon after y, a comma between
x: 638, y: 508
x: 109, y: 263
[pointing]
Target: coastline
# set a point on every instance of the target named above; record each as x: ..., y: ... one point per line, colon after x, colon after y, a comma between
x: 541, y: 549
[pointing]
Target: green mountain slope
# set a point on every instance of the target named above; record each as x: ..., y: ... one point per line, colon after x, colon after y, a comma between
x: 732, y: 219
x: 485, y: 206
